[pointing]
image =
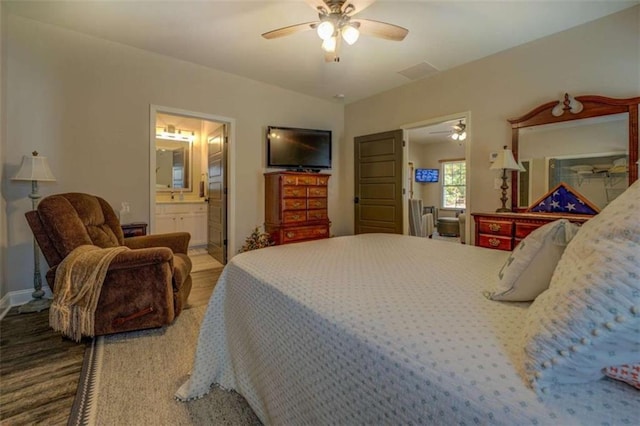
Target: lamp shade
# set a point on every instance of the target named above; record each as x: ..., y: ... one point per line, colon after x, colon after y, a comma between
x: 505, y: 161
x: 34, y: 167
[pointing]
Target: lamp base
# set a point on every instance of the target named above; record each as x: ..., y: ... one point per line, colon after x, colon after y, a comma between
x: 35, y: 305
x: 503, y: 210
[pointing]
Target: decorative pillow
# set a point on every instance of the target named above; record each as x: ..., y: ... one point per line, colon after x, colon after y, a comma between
x: 528, y: 270
x: 626, y: 373
x: 589, y: 318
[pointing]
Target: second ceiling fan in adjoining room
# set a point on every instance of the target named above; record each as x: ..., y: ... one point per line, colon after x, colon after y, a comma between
x: 336, y: 23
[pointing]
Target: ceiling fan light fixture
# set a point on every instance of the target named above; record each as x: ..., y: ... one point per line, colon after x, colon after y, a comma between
x: 350, y: 34
x: 463, y: 136
x: 329, y: 44
x: 325, y: 30
x: 454, y: 136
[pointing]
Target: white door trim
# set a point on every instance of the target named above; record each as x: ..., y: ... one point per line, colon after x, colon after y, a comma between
x: 230, y: 170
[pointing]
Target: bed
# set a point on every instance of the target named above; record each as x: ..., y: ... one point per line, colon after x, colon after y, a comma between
x: 380, y: 328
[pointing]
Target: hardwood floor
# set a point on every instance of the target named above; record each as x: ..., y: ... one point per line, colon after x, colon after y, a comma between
x: 39, y: 370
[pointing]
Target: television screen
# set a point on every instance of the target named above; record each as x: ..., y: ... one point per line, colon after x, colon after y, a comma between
x: 427, y: 175
x: 298, y: 148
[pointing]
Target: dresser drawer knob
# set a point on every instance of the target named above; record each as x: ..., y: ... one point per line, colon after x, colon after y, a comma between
x: 494, y: 242
x: 291, y: 234
x: 494, y: 227
x: 297, y: 204
x: 296, y: 217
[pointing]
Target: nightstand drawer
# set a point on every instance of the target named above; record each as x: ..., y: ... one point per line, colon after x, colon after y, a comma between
x: 496, y: 227
x: 496, y: 242
x: 136, y: 229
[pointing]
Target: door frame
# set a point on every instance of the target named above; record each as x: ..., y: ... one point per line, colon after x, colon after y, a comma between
x: 466, y: 115
x: 230, y: 169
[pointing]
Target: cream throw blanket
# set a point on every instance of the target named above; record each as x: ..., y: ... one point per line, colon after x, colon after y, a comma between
x: 78, y: 284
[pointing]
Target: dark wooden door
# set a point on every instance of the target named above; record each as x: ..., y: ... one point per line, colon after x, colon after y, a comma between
x: 378, y: 183
x: 217, y: 215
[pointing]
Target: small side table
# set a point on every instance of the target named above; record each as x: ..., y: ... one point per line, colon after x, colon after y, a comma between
x: 135, y: 229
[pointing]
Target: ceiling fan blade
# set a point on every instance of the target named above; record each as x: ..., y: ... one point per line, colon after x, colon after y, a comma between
x: 381, y: 29
x: 291, y: 29
x: 315, y: 4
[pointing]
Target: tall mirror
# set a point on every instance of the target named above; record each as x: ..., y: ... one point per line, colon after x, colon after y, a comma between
x: 587, y: 142
x: 173, y: 165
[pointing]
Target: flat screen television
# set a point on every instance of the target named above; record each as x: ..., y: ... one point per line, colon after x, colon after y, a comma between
x: 293, y: 148
x: 427, y: 175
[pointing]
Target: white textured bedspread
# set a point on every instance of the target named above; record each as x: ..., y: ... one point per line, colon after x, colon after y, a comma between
x: 380, y: 329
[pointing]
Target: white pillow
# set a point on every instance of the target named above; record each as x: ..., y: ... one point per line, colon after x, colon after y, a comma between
x: 528, y: 270
x: 589, y: 318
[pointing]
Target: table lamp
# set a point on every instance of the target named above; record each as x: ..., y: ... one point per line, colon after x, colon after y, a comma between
x: 505, y: 161
x: 35, y: 168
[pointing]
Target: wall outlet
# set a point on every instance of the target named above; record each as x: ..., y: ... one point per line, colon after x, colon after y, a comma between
x: 493, y: 156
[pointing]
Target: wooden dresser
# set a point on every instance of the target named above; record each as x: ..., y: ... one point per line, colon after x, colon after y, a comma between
x: 503, y: 231
x: 296, y: 206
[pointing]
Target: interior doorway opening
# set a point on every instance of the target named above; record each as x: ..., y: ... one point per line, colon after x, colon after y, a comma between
x: 437, y: 168
x: 189, y: 179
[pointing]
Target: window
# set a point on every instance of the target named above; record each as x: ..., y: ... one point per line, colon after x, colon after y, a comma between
x: 454, y: 178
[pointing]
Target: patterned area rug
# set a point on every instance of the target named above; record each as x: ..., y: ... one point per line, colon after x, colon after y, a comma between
x: 130, y: 378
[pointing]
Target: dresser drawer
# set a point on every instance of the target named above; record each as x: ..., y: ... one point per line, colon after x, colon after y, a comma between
x: 294, y: 216
x: 307, y: 180
x: 305, y: 233
x: 289, y: 180
x: 317, y: 203
x: 317, y: 215
x: 317, y: 191
x: 496, y: 242
x: 294, y: 203
x: 496, y: 227
x: 289, y: 191
x: 524, y: 229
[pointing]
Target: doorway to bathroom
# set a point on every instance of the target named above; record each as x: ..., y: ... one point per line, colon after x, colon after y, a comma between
x: 189, y: 188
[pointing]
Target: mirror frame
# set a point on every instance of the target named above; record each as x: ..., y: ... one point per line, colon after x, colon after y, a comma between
x: 593, y: 106
x: 189, y: 160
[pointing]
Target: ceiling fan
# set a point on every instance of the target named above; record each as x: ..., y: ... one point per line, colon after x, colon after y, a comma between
x: 457, y: 132
x: 336, y: 23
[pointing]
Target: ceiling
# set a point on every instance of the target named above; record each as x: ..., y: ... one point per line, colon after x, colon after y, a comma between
x: 434, y: 133
x: 226, y: 35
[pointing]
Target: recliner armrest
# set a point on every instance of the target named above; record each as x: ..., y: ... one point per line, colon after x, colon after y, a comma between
x: 141, y: 257
x: 178, y: 242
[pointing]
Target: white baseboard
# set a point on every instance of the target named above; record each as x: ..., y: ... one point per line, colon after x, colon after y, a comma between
x: 16, y: 298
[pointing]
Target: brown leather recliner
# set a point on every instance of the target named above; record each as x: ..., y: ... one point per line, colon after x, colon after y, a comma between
x: 145, y: 287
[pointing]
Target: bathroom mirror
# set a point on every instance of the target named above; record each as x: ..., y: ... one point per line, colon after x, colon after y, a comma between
x: 173, y: 165
x: 588, y: 142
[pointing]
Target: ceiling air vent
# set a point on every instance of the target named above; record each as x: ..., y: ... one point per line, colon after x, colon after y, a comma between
x: 416, y: 72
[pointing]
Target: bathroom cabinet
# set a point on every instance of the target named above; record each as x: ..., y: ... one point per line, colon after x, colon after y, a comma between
x: 183, y: 217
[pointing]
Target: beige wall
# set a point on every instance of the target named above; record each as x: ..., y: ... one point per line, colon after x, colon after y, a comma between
x: 84, y: 103
x: 601, y: 57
